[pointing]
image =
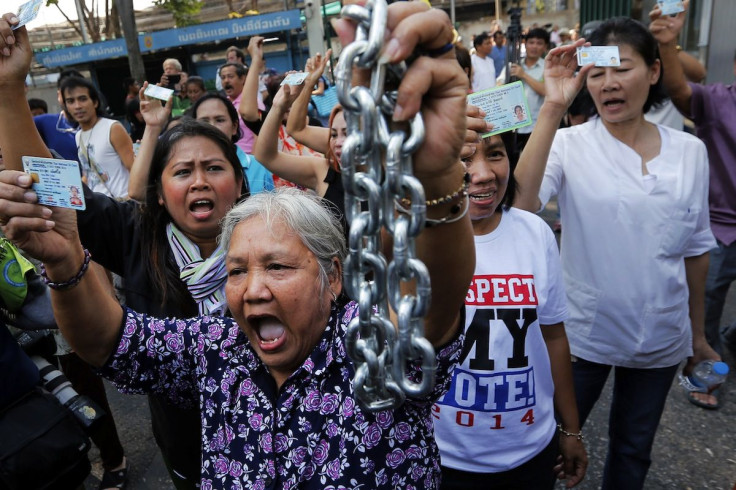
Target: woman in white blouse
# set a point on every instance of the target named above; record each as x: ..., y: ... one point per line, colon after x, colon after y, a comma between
x: 633, y: 200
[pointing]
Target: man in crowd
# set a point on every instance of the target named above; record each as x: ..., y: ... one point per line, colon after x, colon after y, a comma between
x: 498, y: 52
x: 233, y: 81
x: 236, y: 55
x: 104, y: 147
x: 484, y: 70
x: 38, y: 106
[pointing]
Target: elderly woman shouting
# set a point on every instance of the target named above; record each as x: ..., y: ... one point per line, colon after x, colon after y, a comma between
x: 274, y: 382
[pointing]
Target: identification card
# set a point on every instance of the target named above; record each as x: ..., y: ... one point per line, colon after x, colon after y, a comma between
x: 505, y: 107
x: 158, y: 92
x: 671, y: 7
x: 295, y: 78
x: 600, y: 55
x: 27, y: 12
x: 56, y: 182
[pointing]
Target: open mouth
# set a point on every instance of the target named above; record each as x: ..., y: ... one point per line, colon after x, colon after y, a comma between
x: 613, y: 103
x: 269, y: 330
x: 201, y: 207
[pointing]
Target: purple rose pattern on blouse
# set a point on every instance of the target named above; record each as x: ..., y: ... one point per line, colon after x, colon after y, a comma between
x: 309, y: 434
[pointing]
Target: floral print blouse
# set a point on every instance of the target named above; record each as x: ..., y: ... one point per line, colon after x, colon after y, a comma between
x: 311, y: 433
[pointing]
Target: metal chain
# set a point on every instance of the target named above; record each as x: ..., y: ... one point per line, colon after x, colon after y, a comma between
x: 380, y: 353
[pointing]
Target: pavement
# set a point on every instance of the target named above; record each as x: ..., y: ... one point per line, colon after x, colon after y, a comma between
x: 694, y: 448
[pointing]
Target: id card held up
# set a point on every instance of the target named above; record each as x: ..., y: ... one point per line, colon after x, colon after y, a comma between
x: 505, y: 107
x: 56, y: 182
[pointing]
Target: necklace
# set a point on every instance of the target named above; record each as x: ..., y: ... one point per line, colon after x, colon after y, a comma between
x: 84, y: 146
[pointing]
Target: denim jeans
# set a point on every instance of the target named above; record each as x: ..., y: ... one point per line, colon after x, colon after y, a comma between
x: 638, y: 400
x: 721, y: 273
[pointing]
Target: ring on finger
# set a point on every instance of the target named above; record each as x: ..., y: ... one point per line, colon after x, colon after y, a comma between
x: 435, y: 53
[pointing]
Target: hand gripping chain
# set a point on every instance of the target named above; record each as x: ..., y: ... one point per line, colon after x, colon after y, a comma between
x: 381, y: 359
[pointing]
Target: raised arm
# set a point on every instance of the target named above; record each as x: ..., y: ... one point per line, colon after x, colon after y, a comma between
x: 437, y: 86
x: 156, y: 115
x: 249, y: 102
x: 666, y: 30
x: 87, y: 315
x: 18, y: 133
x: 316, y: 138
x: 561, y: 85
x: 306, y: 171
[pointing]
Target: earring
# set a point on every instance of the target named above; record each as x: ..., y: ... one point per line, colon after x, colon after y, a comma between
x: 334, y: 296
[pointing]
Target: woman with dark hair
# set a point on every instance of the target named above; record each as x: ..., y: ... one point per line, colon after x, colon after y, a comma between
x: 634, y: 200
x: 162, y: 247
x: 217, y: 110
x: 520, y: 364
x: 195, y: 88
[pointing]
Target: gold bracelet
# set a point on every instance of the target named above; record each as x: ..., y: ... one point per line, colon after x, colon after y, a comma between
x: 578, y: 436
x: 461, y: 191
x: 452, y: 216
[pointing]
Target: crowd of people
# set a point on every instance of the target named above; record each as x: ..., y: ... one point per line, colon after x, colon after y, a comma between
x: 206, y: 271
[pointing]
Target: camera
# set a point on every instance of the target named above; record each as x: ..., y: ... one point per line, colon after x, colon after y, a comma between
x: 173, y: 80
x: 87, y: 412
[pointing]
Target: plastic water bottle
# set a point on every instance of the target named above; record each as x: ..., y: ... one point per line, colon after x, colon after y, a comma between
x: 706, y: 376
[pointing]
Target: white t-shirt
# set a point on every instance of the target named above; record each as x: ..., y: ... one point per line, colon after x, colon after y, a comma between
x: 101, y: 164
x: 499, y: 411
x: 484, y: 72
x: 624, y: 242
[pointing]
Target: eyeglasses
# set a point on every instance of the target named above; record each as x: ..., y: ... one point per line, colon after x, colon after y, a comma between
x: 61, y: 129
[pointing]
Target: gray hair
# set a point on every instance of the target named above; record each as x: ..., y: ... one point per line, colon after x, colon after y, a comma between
x: 303, y: 213
x: 174, y: 62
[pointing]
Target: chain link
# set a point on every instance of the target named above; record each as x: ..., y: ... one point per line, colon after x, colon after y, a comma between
x: 380, y: 351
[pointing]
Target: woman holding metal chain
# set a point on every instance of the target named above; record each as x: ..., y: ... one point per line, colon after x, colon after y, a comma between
x: 274, y: 383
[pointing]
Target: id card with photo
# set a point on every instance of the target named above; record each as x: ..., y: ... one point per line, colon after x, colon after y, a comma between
x: 671, y: 7
x: 27, y: 12
x: 505, y: 107
x: 56, y: 182
x: 600, y: 55
x: 295, y: 78
x: 158, y: 92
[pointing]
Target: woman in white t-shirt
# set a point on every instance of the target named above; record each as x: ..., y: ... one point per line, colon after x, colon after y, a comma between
x: 496, y: 425
x: 634, y: 200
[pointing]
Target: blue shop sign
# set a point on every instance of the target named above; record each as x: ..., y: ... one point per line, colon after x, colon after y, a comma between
x: 225, y: 29
x: 83, y: 54
x: 203, y: 33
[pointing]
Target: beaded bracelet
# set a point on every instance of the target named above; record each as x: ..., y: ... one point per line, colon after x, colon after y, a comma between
x: 578, y: 436
x: 62, y: 286
x: 461, y: 191
x: 451, y: 217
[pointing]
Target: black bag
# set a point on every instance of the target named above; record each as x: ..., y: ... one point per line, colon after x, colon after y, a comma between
x: 42, y: 445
